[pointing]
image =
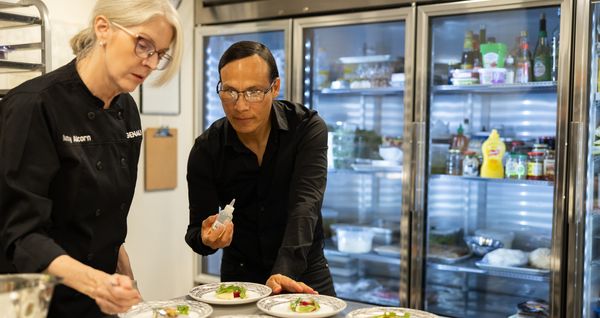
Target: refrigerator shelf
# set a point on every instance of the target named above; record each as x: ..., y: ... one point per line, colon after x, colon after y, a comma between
x: 469, y: 266
x: 371, y: 256
x: 365, y: 59
x: 497, y: 88
x: 493, y: 180
x: 361, y: 91
x: 13, y: 67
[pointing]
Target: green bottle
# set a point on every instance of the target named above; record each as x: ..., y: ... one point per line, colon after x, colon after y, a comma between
x: 542, y: 58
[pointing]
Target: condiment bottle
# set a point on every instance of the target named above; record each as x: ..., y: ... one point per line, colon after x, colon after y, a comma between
x: 226, y: 214
x: 493, y: 152
x: 460, y: 141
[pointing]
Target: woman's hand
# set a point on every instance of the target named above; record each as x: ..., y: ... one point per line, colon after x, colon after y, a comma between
x: 280, y: 283
x: 219, y: 238
x: 115, y: 294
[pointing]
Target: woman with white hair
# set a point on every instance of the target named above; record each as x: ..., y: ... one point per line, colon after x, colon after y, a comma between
x: 69, y: 147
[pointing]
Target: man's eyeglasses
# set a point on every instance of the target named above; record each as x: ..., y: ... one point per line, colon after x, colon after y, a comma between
x: 230, y: 96
x: 145, y: 49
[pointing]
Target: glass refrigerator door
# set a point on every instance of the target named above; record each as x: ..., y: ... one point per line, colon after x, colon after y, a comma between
x: 492, y: 125
x: 212, y: 41
x: 353, y: 75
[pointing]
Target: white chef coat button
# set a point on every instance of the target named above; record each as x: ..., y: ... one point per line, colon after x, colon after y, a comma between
x: 99, y: 165
x: 91, y: 115
x: 98, y: 212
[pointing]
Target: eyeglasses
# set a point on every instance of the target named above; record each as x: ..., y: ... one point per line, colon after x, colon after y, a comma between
x: 230, y: 96
x: 145, y: 49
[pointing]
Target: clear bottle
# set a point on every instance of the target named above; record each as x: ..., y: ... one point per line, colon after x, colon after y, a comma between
x: 524, y: 68
x: 468, y: 55
x: 542, y: 59
x: 549, y: 163
x: 555, y: 44
x: 226, y: 214
x: 454, y: 162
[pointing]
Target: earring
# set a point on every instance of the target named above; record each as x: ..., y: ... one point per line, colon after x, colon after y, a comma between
x: 101, y: 43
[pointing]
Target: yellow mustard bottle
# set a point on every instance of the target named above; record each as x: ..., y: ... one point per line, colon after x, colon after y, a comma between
x: 493, y: 152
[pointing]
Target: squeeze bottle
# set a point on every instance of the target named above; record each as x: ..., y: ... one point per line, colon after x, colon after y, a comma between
x: 226, y: 214
x: 493, y: 152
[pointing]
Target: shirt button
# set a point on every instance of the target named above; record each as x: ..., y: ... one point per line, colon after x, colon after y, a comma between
x: 120, y: 115
x: 98, y: 212
x: 99, y: 165
x: 123, y: 162
x: 91, y: 115
x: 90, y: 256
x: 241, y: 264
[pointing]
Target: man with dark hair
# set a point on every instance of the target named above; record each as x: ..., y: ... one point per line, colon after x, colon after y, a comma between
x: 271, y: 157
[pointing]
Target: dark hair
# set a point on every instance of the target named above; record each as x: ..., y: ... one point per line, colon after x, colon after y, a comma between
x: 243, y: 49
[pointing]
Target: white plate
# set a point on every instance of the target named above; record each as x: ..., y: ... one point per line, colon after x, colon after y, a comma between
x: 279, y: 306
x: 207, y: 293
x: 374, y: 311
x: 144, y: 310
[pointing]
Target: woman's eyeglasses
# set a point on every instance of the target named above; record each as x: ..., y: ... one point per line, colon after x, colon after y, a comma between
x: 230, y: 96
x: 145, y: 49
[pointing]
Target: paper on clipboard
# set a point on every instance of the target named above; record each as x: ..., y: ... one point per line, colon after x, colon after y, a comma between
x: 160, y: 158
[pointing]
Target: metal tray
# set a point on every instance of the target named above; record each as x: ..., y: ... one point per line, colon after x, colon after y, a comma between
x: 511, y: 269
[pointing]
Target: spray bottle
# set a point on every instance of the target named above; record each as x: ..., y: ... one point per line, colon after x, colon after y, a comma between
x: 226, y: 214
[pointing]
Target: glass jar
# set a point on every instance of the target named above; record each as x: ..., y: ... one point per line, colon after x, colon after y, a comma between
x: 535, y: 165
x: 470, y: 166
x: 454, y: 162
x: 516, y: 166
x: 549, y: 161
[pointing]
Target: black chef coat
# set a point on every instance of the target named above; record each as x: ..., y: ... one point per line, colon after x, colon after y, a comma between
x: 68, y: 170
x: 277, y: 217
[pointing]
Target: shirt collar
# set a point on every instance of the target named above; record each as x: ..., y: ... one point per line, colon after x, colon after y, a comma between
x: 279, y: 121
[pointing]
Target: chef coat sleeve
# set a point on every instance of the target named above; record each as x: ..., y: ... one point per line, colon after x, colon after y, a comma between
x: 28, y: 163
x: 305, y: 199
x: 202, y: 193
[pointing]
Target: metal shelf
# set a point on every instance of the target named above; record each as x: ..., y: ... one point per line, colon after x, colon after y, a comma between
x: 13, y: 67
x: 493, y: 180
x: 372, y: 257
x: 361, y: 91
x: 468, y: 266
x: 22, y: 47
x: 497, y: 88
x: 11, y: 20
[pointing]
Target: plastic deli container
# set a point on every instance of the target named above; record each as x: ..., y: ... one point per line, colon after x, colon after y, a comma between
x: 354, y: 239
x: 492, y: 75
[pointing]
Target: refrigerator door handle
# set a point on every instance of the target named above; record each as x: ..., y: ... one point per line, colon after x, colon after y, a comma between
x: 577, y: 142
x: 420, y: 141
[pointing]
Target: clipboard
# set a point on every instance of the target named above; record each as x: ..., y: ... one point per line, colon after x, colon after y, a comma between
x: 160, y: 158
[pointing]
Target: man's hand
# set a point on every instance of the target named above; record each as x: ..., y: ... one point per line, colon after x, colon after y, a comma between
x: 219, y: 238
x: 280, y: 283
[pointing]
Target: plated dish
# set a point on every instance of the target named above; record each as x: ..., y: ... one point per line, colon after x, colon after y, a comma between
x: 389, y: 312
x: 225, y: 293
x: 176, y: 308
x: 281, y: 306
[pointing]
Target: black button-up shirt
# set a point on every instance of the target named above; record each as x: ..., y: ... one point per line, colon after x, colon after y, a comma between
x: 67, y: 169
x: 277, y: 217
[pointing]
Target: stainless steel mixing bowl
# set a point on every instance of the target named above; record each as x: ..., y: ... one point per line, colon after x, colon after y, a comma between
x: 26, y: 295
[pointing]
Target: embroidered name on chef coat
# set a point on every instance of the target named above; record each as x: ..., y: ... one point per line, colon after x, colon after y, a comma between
x: 76, y: 139
x: 134, y: 134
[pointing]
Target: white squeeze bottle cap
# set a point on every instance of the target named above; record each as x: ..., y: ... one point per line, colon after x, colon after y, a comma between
x: 226, y: 214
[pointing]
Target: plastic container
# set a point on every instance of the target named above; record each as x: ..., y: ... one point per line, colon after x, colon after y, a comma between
x: 506, y: 237
x: 354, y: 239
x: 492, y: 75
x: 493, y: 54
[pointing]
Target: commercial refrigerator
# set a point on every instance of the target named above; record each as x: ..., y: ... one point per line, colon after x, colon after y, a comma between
x: 488, y: 242
x: 355, y: 70
x: 210, y: 43
x: 583, y: 291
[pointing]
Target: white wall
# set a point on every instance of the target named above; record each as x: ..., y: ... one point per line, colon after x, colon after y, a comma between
x: 161, y: 260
